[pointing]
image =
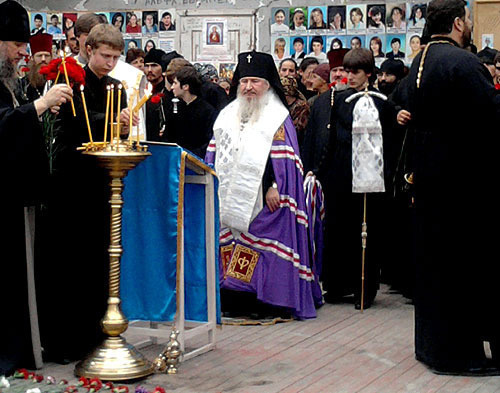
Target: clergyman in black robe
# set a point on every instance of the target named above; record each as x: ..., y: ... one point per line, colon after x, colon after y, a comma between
x: 455, y: 112
x: 21, y: 167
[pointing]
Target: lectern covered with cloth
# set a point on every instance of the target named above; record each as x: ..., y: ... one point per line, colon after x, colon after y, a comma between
x: 169, y: 270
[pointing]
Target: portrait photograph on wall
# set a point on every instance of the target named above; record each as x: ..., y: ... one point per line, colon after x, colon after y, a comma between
x: 298, y: 19
x: 149, y: 22
x: 396, y: 18
x: 376, y: 44
x: 336, y: 18
x: 118, y: 20
x: 396, y: 46
x: 69, y: 19
x: 280, y: 20
x: 356, y: 18
x: 335, y: 42
x: 167, y: 20
x: 133, y: 23
x: 317, y: 18
x: 376, y: 18
x: 38, y: 22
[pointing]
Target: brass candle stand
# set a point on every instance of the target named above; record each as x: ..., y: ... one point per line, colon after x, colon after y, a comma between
x: 115, y: 360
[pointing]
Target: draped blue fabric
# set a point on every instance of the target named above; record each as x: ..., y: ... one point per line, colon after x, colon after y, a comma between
x: 149, y: 238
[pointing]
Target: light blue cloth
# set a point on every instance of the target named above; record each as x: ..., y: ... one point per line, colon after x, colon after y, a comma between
x: 149, y: 237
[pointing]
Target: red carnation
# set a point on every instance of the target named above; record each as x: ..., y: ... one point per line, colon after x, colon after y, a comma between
x: 94, y: 385
x: 71, y: 389
x: 344, y: 81
x: 497, y: 86
x: 332, y: 84
x: 63, y: 382
x: 25, y: 69
x: 38, y: 378
x: 108, y: 385
x: 21, y: 373
x: 83, y: 382
x: 159, y: 389
x: 120, y: 389
x: 157, y: 98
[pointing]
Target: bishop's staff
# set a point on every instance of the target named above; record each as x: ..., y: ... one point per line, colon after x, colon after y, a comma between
x: 367, y: 158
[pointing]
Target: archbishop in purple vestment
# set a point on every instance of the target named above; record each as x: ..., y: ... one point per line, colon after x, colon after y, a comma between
x: 264, y: 246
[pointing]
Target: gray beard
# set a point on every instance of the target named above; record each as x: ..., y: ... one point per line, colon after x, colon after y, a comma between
x: 249, y: 109
x: 8, y: 74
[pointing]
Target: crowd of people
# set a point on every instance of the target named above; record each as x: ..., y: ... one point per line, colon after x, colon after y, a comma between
x: 282, y: 143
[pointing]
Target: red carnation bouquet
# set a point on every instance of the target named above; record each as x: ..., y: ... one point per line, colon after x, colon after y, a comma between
x: 57, y: 70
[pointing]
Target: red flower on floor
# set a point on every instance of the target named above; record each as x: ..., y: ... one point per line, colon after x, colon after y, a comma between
x: 71, y: 389
x: 120, y: 389
x: 38, y: 378
x: 21, y: 373
x: 83, y: 382
x: 108, y: 385
x: 157, y: 98
x: 94, y: 385
x: 159, y: 389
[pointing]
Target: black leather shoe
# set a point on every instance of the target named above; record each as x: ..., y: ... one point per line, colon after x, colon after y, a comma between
x: 485, y: 371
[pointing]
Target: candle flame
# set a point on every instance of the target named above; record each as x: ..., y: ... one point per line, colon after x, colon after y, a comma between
x: 108, y: 87
x: 120, y: 86
x: 81, y: 87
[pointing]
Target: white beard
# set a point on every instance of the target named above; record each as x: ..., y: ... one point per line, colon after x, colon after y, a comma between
x: 249, y: 109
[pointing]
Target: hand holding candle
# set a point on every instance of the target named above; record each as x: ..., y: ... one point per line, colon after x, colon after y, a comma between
x: 147, y: 94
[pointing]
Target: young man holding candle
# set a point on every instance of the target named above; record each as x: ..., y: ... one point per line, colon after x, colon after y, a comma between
x: 78, y: 210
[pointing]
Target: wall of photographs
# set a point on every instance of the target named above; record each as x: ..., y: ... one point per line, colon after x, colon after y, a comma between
x: 141, y: 29
x: 389, y: 30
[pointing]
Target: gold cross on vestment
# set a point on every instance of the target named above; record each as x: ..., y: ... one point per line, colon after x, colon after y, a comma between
x: 249, y: 57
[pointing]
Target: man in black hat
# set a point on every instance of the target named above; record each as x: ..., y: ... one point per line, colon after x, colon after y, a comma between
x: 391, y: 73
x: 20, y: 166
x: 318, y: 127
x: 155, y: 66
x: 454, y: 110
x: 263, y: 242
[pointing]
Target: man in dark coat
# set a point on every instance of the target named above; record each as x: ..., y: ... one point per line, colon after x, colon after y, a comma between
x: 20, y: 164
x: 454, y: 109
x: 41, y: 55
x: 344, y: 209
x: 317, y: 132
x: 78, y: 213
x: 198, y: 116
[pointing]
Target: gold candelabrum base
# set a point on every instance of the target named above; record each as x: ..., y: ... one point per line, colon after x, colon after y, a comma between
x: 115, y: 360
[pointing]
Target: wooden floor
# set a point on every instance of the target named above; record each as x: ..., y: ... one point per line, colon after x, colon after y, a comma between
x: 342, y: 350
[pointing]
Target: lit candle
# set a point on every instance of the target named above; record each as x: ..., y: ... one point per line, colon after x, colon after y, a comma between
x: 145, y: 97
x: 86, y: 115
x: 137, y: 99
x: 108, y: 88
x: 67, y: 80
x: 131, y: 116
x: 118, y: 114
x: 111, y: 134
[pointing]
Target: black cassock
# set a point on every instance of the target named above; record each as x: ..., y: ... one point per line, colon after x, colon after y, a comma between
x: 317, y: 132
x: 73, y: 231
x: 21, y: 172
x: 455, y: 115
x: 344, y: 209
